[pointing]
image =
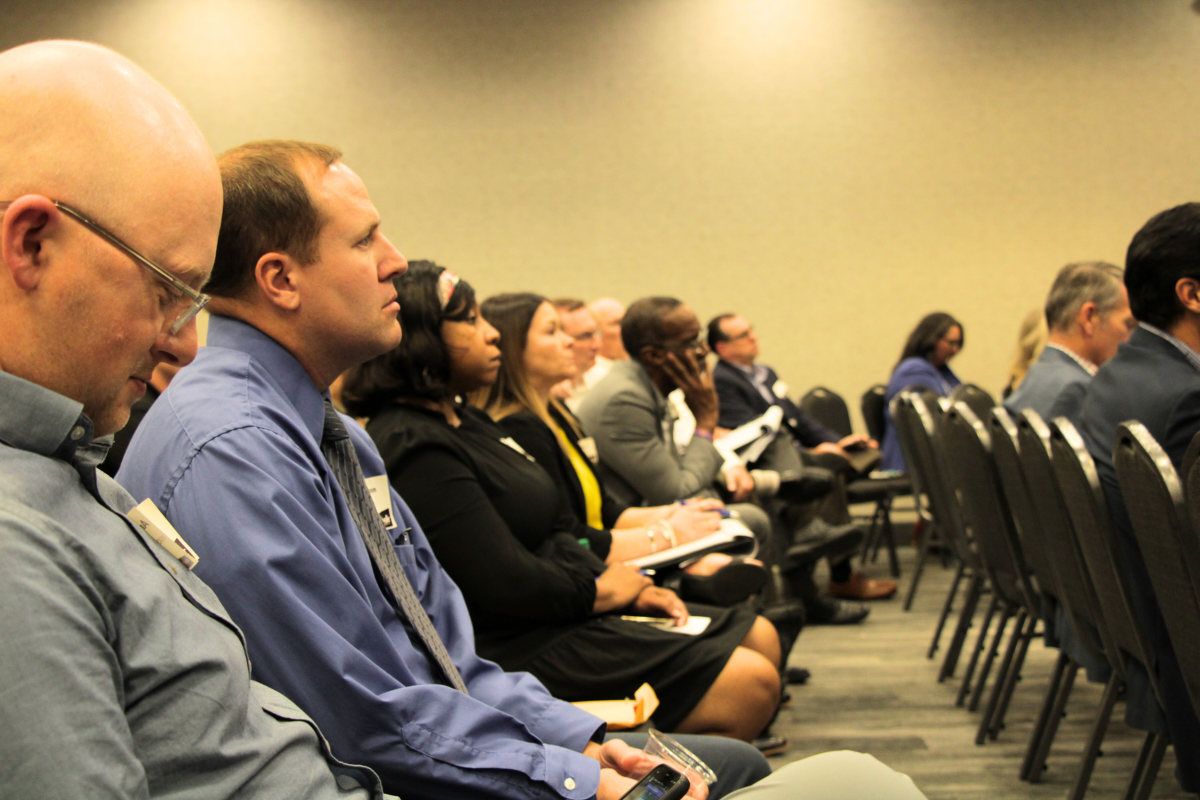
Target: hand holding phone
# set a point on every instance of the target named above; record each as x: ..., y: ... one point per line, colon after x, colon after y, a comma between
x: 660, y: 783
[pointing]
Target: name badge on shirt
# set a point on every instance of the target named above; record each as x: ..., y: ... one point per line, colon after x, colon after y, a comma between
x: 381, y: 495
x: 588, y: 448
x: 147, y: 517
x: 780, y: 389
x: 511, y: 442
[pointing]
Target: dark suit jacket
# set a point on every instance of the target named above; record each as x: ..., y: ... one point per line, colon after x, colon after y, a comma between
x: 741, y: 402
x: 1151, y: 381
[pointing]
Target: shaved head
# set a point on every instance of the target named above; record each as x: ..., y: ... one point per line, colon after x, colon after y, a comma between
x: 85, y: 126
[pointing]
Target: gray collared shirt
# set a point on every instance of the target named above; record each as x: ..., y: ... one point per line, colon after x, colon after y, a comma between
x: 120, y: 673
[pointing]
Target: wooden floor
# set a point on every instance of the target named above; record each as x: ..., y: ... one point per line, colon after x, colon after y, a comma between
x: 873, y: 690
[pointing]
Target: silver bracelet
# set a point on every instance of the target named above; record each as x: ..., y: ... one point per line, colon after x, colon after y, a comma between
x: 669, y: 533
x: 650, y: 536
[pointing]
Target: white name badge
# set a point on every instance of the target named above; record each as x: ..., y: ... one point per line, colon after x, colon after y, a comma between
x: 147, y: 517
x: 588, y: 448
x: 780, y: 389
x: 381, y: 495
x: 511, y: 442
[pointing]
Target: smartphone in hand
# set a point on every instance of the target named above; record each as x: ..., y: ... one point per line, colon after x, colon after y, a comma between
x: 661, y: 783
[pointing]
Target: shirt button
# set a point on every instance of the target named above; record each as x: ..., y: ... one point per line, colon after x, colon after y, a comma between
x: 570, y: 784
x: 346, y: 783
x: 77, y: 433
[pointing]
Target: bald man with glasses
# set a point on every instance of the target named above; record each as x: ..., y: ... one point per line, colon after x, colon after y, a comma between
x: 121, y: 674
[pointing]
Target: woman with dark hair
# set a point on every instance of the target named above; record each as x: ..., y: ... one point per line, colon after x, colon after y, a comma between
x: 924, y: 362
x: 535, y: 356
x: 541, y: 601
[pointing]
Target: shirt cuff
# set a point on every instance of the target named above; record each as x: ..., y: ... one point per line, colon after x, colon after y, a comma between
x: 572, y: 775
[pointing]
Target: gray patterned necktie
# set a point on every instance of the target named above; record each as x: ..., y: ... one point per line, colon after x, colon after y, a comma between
x: 339, y: 452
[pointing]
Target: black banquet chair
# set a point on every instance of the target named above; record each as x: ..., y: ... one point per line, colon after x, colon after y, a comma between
x: 1158, y: 512
x: 1088, y: 510
x: 968, y: 446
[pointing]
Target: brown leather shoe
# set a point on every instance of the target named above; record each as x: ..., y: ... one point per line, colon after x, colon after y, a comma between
x: 860, y: 587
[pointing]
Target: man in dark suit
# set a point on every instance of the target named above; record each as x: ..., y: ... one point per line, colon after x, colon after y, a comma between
x: 745, y: 391
x: 1087, y: 312
x: 1154, y: 378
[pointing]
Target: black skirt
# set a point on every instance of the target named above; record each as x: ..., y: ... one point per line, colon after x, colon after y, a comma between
x: 608, y: 658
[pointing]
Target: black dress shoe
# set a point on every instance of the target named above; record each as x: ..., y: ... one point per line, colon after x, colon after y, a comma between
x: 731, y: 584
x: 797, y: 676
x: 831, y: 611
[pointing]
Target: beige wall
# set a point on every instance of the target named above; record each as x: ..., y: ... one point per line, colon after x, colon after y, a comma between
x: 831, y: 169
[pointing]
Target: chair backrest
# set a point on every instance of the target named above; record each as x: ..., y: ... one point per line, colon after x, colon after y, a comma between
x: 947, y: 509
x: 872, y: 405
x: 976, y: 398
x: 1154, y: 498
x: 914, y: 427
x: 935, y: 403
x: 828, y: 408
x: 1088, y: 510
x: 1191, y: 475
x: 1006, y: 451
x: 968, y: 445
x: 1077, y: 591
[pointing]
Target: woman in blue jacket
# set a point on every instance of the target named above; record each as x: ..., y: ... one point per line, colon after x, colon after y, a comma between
x: 924, y: 363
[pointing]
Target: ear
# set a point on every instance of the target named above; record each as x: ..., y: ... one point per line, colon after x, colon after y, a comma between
x: 1088, y: 318
x: 25, y: 226
x: 275, y: 274
x: 652, y: 356
x: 1188, y: 292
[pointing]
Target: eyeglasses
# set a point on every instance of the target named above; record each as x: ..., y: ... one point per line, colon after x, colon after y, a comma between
x: 697, y: 346
x: 187, y: 301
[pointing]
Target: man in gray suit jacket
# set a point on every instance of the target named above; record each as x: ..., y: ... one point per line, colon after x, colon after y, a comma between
x: 1087, y: 312
x: 631, y: 421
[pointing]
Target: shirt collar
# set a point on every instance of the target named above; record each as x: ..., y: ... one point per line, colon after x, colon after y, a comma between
x: 284, y: 369
x: 39, y: 420
x: 1088, y: 366
x: 1191, y: 355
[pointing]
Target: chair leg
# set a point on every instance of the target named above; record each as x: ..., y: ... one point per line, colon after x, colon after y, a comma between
x: 871, y: 543
x: 888, y: 533
x: 1044, y: 730
x: 989, y: 659
x: 1145, y: 770
x: 970, y: 603
x: 926, y: 536
x: 941, y: 623
x: 1004, y: 673
x: 1012, y: 677
x: 1092, y: 749
x: 980, y: 645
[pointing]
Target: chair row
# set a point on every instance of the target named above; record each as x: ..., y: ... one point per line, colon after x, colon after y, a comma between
x: 1019, y: 506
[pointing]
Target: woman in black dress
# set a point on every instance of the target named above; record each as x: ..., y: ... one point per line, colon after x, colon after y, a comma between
x: 541, y: 601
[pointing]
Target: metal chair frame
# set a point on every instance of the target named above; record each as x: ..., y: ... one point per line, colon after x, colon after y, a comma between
x: 1088, y: 510
x: 1080, y: 604
x: 967, y: 443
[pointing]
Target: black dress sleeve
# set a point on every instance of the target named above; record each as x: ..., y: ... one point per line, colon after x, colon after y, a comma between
x: 495, y: 572
x: 540, y: 442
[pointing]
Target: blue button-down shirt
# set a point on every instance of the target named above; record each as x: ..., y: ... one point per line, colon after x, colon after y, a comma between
x: 120, y: 673
x: 231, y: 454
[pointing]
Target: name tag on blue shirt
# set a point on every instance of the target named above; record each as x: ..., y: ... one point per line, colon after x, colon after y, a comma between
x: 381, y: 495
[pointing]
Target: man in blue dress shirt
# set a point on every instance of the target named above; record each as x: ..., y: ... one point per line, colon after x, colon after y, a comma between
x: 232, y: 455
